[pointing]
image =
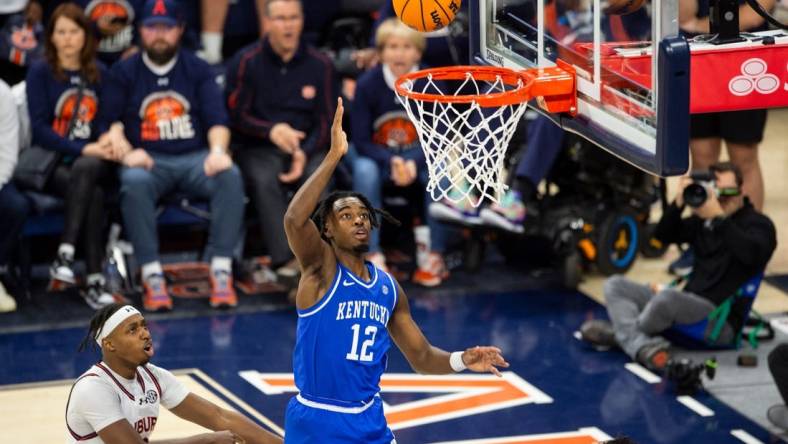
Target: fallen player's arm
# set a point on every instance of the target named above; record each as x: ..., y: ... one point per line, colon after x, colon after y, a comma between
x: 209, y: 415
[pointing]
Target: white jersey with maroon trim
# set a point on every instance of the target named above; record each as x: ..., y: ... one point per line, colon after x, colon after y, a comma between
x: 101, y: 397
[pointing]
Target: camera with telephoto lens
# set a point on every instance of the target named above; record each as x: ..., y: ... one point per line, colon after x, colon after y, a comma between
x: 686, y: 374
x: 696, y: 193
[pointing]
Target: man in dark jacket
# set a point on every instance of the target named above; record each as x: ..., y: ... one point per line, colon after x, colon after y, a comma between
x: 281, y: 96
x: 732, y: 241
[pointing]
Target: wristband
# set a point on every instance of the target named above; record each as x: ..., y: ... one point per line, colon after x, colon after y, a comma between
x: 455, y: 361
x: 217, y: 149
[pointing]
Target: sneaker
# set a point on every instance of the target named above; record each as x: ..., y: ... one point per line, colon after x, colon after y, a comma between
x: 433, y: 274
x: 778, y: 416
x: 654, y: 356
x: 378, y: 259
x: 155, y: 296
x: 222, y: 291
x: 97, y: 296
x: 7, y: 303
x: 683, y: 265
x: 465, y: 212
x: 599, y: 333
x: 508, y: 215
x: 61, y: 274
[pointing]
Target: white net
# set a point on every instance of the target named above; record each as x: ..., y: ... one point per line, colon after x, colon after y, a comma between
x: 464, y: 143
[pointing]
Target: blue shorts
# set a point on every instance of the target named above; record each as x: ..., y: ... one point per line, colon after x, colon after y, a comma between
x: 310, y: 425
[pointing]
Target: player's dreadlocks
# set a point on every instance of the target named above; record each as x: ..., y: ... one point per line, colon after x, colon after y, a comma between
x: 326, y: 206
x: 96, y: 323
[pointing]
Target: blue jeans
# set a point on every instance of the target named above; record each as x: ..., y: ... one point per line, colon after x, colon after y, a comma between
x: 369, y: 178
x: 140, y: 189
x: 14, y: 209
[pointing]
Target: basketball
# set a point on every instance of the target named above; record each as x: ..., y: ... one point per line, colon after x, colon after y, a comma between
x: 426, y: 15
x: 622, y: 7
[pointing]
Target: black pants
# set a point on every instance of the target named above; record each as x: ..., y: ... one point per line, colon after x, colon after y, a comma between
x: 82, y: 183
x: 778, y: 365
x: 261, y: 168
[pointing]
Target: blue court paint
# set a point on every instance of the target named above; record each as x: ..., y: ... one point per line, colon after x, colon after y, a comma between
x: 535, y: 330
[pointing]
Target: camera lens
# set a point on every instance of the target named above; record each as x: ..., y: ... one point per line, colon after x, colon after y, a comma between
x: 695, y: 194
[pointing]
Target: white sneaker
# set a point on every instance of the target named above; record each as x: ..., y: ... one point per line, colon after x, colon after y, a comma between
x: 96, y: 296
x: 7, y: 303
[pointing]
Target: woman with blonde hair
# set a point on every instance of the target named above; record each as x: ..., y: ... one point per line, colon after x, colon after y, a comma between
x: 387, y: 143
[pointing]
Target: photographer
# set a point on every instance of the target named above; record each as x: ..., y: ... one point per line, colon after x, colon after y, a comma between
x: 733, y: 242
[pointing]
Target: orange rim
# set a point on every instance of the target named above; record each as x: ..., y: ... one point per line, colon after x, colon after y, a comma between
x: 521, y: 81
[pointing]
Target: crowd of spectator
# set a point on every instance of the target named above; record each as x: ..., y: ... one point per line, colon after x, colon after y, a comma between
x: 131, y: 101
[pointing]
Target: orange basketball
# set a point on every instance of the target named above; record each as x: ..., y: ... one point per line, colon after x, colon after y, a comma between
x: 426, y: 15
x: 622, y: 7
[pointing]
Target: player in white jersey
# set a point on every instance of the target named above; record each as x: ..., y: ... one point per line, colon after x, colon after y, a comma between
x: 349, y: 311
x: 117, y: 400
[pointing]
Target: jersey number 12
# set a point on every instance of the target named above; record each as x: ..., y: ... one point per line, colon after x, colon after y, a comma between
x: 369, y: 332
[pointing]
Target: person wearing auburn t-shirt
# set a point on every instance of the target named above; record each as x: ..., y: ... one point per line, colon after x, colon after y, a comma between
x: 62, y: 121
x: 164, y: 105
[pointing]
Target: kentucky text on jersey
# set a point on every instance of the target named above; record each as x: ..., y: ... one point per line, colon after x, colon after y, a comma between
x: 362, y: 310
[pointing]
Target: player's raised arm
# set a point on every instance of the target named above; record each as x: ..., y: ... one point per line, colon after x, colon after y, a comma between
x: 302, y: 234
x: 428, y: 359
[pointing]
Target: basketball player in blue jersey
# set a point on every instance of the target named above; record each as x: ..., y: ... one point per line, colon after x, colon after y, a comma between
x: 348, y: 313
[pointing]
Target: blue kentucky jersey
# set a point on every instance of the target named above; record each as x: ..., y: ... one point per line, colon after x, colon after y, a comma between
x: 342, y: 341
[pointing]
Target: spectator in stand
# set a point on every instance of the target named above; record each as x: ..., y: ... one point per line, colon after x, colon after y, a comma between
x: 387, y: 143
x: 227, y: 26
x: 281, y: 100
x: 87, y: 167
x: 444, y: 47
x: 164, y: 107
x: 13, y: 205
x: 114, y: 23
x: 20, y: 38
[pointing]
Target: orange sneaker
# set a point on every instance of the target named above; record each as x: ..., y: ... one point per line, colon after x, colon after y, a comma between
x: 155, y: 296
x: 433, y: 273
x: 222, y: 290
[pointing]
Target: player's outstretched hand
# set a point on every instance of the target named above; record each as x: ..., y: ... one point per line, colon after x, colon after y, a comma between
x: 484, y: 359
x: 338, y: 136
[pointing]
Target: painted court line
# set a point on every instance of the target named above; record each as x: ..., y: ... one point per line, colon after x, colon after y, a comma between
x: 692, y: 404
x: 745, y: 437
x: 642, y: 373
x: 231, y: 396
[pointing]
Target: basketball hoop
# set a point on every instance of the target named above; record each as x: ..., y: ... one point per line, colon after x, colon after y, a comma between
x: 465, y: 127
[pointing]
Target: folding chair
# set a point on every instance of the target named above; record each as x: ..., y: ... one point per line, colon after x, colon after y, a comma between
x: 696, y: 333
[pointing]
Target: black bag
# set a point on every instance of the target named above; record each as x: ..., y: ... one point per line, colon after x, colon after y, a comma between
x: 36, y: 164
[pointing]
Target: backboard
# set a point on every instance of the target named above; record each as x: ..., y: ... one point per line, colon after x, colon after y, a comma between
x: 629, y: 103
